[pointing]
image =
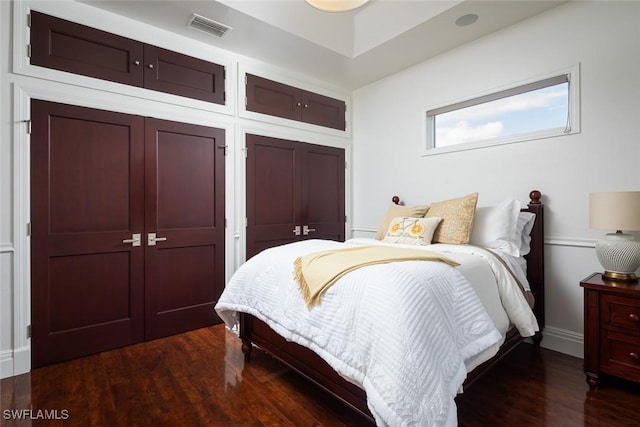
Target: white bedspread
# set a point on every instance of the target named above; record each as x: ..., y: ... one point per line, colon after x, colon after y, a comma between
x: 400, y: 331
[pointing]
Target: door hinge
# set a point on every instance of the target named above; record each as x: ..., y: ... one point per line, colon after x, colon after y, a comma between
x: 28, y: 123
x: 28, y: 51
x: 246, y: 222
x: 29, y: 20
x: 28, y: 229
x: 29, y: 331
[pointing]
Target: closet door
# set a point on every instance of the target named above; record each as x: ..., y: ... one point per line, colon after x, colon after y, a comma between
x: 184, y: 209
x: 323, y: 209
x: 87, y: 191
x: 295, y: 191
x: 274, y: 195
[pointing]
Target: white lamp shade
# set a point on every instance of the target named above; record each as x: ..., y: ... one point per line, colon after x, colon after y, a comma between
x: 618, y: 210
x: 618, y: 253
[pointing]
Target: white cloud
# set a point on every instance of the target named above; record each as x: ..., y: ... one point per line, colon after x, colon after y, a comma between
x: 463, y: 132
x: 526, y: 101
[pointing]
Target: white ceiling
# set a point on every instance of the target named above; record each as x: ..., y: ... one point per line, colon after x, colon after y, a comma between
x: 348, y: 49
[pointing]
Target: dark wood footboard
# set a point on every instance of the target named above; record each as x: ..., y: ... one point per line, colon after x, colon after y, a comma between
x: 309, y: 364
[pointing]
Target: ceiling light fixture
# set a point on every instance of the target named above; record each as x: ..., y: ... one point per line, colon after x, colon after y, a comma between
x: 465, y: 20
x: 336, y: 5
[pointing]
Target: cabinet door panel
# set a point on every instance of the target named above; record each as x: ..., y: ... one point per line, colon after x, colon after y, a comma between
x: 67, y: 46
x: 175, y: 73
x: 86, y: 198
x: 273, y: 98
x: 184, y: 204
x: 323, y: 111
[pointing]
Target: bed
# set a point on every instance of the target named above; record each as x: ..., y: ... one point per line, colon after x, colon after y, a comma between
x: 317, y: 352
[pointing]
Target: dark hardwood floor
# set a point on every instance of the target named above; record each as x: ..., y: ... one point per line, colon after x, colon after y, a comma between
x: 199, y: 379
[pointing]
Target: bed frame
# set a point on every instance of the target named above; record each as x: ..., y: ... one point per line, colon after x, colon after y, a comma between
x: 310, y: 365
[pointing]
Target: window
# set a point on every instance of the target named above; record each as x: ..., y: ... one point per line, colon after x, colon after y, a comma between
x: 537, y: 109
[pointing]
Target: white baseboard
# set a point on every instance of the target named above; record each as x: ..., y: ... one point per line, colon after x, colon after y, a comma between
x: 563, y: 341
x: 15, y: 362
x: 6, y: 363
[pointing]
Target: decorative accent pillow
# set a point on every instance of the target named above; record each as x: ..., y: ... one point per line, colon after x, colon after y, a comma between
x: 494, y: 227
x: 411, y: 231
x: 397, y: 210
x: 457, y: 219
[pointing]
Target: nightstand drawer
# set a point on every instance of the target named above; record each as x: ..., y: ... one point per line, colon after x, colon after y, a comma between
x: 621, y: 355
x: 621, y: 311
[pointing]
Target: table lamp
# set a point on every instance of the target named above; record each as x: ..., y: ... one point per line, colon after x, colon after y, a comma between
x: 619, y: 253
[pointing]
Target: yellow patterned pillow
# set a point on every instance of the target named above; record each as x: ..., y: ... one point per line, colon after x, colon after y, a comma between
x: 457, y: 219
x: 411, y: 231
x: 395, y: 211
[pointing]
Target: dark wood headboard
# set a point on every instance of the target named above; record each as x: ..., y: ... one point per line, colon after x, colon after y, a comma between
x: 535, y: 258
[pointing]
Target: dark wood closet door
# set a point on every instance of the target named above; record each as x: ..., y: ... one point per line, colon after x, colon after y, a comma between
x: 293, y: 187
x: 273, y: 192
x: 86, y: 199
x: 184, y: 192
x: 323, y: 192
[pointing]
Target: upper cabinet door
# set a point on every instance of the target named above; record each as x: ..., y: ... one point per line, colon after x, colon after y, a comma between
x: 67, y: 46
x: 75, y: 48
x: 281, y: 100
x: 175, y: 73
x: 323, y: 111
x: 273, y: 98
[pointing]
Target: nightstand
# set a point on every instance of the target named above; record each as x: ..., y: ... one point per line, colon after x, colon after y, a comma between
x: 611, y: 329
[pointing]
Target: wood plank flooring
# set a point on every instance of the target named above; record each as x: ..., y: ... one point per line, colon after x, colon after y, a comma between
x: 199, y: 379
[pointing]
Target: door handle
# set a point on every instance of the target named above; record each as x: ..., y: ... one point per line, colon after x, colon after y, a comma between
x: 152, y: 239
x: 306, y: 230
x: 134, y: 240
x: 296, y: 230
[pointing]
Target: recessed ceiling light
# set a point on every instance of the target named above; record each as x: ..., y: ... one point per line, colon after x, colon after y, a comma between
x: 465, y: 20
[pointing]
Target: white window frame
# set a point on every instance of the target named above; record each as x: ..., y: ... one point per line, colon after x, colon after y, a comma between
x: 573, y: 120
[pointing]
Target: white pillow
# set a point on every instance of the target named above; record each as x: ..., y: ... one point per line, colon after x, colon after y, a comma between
x: 495, y: 227
x: 412, y: 231
x: 523, y: 231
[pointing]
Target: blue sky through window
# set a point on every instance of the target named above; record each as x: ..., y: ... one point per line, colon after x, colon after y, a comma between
x: 537, y: 110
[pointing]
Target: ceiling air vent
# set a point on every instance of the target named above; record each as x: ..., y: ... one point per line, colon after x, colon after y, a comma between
x: 208, y: 25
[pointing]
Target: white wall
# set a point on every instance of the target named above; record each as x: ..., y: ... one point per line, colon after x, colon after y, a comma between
x: 604, y: 38
x: 20, y: 82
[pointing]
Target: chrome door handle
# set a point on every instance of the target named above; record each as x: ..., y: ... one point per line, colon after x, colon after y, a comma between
x: 306, y: 230
x: 152, y: 239
x: 134, y: 240
x: 296, y: 230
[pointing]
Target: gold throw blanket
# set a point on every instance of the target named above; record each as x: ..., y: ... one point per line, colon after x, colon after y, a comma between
x: 317, y: 271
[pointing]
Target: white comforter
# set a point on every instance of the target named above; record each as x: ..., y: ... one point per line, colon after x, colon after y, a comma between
x: 401, y: 331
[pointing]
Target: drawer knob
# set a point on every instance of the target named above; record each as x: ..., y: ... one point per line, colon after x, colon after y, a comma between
x: 634, y: 317
x: 634, y: 356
